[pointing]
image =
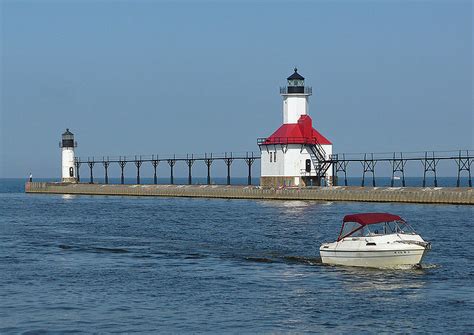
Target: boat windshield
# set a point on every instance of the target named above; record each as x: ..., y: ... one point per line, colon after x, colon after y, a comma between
x: 354, y: 229
x: 349, y: 228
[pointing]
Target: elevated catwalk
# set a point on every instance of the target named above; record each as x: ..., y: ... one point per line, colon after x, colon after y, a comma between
x: 341, y: 164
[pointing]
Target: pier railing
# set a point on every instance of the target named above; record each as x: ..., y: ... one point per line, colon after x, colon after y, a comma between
x: 339, y: 163
x: 429, y: 162
x: 248, y: 157
x: 165, y: 157
x: 408, y: 155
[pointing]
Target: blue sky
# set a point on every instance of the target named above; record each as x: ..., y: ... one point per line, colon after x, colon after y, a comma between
x: 143, y: 77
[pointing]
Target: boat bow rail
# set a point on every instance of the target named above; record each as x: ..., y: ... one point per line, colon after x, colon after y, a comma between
x: 426, y: 245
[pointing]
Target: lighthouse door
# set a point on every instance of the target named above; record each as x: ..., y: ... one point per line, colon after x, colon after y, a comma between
x: 71, y: 172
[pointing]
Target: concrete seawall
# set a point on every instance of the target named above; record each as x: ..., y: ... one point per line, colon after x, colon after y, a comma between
x: 428, y: 195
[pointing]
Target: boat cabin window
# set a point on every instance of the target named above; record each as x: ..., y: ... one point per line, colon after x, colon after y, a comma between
x: 349, y: 227
x: 354, y: 229
x: 390, y: 228
x: 361, y: 232
x: 397, y: 227
x: 377, y: 229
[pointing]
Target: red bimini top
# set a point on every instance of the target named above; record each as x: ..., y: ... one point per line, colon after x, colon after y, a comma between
x: 297, y: 133
x: 371, y: 218
x: 365, y: 219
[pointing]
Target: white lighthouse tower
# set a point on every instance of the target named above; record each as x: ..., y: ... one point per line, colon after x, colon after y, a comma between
x: 296, y: 154
x: 69, y: 173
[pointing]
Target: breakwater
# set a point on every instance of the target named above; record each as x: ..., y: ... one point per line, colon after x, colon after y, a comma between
x: 431, y: 195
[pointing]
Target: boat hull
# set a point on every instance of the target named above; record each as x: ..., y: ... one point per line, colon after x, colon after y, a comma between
x: 390, y: 250
x: 378, y: 259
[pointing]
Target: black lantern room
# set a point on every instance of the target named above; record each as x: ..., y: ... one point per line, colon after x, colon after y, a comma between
x: 68, y: 140
x: 295, y: 83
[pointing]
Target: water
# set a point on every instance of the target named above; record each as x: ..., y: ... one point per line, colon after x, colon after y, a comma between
x: 140, y: 264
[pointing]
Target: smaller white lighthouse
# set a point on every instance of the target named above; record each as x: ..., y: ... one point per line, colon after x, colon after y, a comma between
x: 69, y: 173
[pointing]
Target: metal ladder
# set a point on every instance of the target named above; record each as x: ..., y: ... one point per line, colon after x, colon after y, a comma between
x: 318, y: 157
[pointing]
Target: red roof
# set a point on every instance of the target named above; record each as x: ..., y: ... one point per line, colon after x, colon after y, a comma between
x: 371, y: 218
x: 297, y: 133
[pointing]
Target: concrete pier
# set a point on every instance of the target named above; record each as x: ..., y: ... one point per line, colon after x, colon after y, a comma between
x: 427, y: 195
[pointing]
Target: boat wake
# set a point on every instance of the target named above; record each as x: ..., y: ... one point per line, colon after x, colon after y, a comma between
x: 286, y: 259
x: 259, y: 259
x: 93, y: 249
x: 428, y: 266
x: 303, y: 260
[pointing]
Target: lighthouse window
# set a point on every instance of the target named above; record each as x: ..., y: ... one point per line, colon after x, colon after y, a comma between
x: 271, y: 156
x: 275, y: 156
x: 296, y: 82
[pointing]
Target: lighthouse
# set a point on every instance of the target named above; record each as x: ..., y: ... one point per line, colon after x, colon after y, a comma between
x: 67, y: 145
x: 296, y: 154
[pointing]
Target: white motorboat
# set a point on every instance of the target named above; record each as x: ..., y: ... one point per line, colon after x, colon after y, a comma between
x: 375, y: 240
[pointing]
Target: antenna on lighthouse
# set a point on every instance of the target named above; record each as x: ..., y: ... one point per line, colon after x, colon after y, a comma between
x: 67, y: 144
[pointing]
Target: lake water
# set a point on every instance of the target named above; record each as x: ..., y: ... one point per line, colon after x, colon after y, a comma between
x: 178, y: 265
